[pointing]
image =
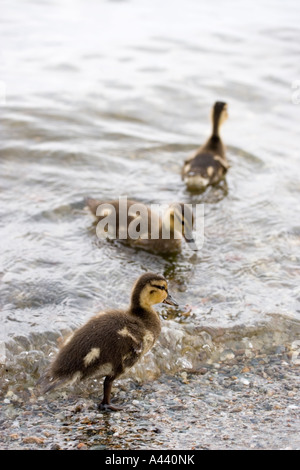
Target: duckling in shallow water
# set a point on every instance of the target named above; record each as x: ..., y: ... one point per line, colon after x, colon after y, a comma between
x: 112, y: 341
x: 209, y: 165
x: 138, y: 225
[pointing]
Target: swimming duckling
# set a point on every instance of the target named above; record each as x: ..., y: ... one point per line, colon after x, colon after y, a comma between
x: 137, y: 224
x: 112, y: 341
x: 209, y: 165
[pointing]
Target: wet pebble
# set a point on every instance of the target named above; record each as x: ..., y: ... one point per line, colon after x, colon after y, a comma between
x: 33, y: 440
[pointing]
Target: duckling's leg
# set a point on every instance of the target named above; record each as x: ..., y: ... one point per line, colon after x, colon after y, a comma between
x: 105, y: 404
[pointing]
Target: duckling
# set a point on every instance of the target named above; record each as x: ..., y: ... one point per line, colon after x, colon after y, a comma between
x: 112, y: 341
x: 156, y: 234
x: 209, y: 164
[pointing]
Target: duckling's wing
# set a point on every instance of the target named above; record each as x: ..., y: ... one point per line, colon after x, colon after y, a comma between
x: 93, y: 205
x: 222, y: 161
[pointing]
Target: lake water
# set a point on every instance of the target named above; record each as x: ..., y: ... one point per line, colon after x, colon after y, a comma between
x: 107, y: 99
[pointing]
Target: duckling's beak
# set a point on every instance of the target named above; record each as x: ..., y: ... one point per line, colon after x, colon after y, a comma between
x: 188, y: 239
x: 170, y: 301
x: 191, y: 242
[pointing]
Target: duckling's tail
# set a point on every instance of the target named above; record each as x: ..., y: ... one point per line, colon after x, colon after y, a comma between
x: 46, y: 382
x: 92, y: 204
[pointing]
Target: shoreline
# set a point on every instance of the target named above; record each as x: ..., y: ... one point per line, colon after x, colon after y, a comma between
x: 249, y: 405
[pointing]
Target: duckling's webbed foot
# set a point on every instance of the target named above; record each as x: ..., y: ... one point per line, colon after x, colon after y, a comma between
x: 109, y: 407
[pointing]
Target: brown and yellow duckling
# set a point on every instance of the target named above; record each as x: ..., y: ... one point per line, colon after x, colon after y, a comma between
x: 157, y: 234
x: 209, y: 164
x: 112, y: 341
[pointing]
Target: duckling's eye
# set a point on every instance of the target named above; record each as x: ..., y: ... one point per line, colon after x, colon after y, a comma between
x: 159, y: 287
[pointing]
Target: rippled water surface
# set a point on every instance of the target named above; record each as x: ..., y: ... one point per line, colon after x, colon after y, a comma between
x: 107, y: 98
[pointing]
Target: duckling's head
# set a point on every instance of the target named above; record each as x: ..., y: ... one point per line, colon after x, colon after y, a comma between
x: 150, y: 289
x: 219, y: 115
x: 180, y: 218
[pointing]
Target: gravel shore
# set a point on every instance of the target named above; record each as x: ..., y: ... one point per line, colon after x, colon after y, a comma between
x: 250, y: 404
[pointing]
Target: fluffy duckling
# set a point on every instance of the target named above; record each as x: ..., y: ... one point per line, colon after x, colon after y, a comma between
x: 156, y: 234
x: 209, y: 165
x: 112, y: 341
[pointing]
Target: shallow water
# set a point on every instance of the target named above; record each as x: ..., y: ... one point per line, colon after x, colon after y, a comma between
x: 107, y: 99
